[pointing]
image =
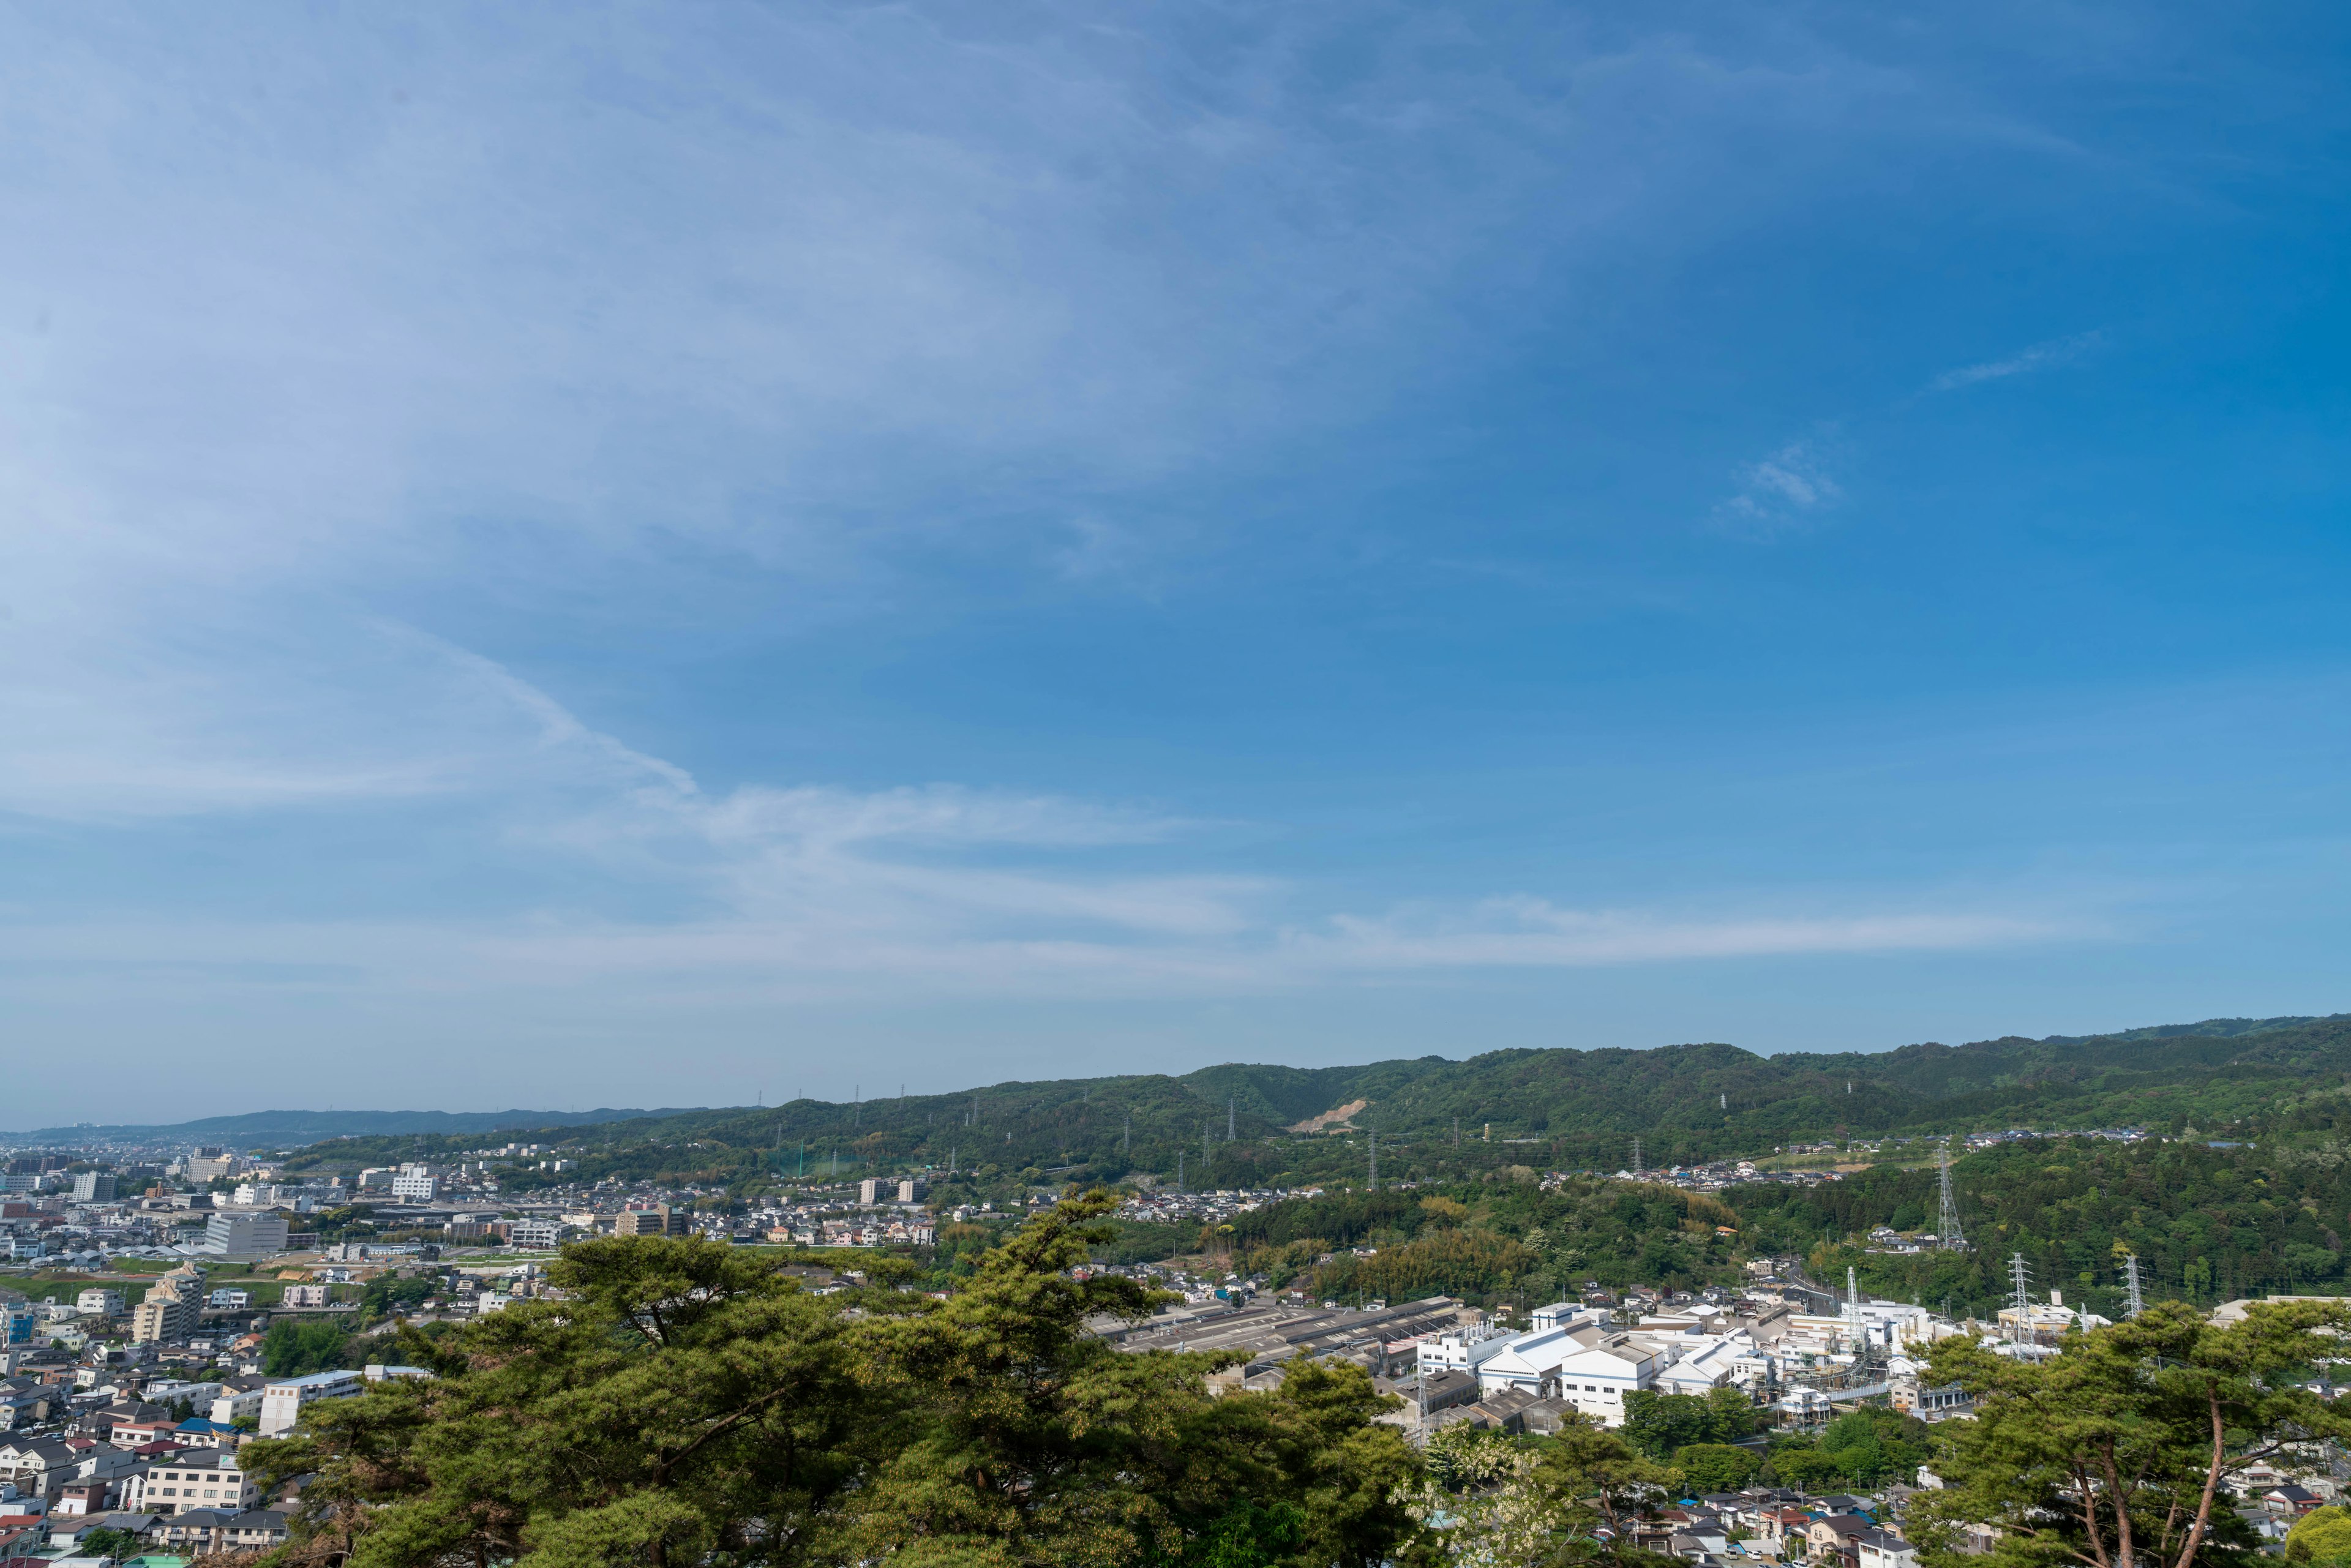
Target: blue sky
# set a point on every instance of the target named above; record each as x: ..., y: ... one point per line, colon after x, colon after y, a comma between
x: 662, y: 555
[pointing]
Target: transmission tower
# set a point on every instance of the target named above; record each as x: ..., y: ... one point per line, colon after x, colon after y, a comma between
x: 1375, y: 1159
x: 1852, y: 1295
x: 2019, y: 1276
x: 1232, y: 1119
x: 1948, y: 1226
x: 1179, y: 1173
x: 1126, y: 1135
x: 1638, y: 1173
x: 2134, y: 1302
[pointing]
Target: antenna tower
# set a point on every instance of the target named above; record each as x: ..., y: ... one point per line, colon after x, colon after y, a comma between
x: 2134, y: 1302
x: 1948, y: 1226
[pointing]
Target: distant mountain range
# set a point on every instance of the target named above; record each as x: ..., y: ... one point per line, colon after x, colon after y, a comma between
x: 289, y: 1129
x: 1584, y: 1106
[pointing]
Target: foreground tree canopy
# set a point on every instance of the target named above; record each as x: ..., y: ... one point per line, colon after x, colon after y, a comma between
x: 682, y: 1404
x: 2118, y: 1450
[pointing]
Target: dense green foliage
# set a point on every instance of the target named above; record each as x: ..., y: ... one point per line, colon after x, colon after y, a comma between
x: 684, y: 1403
x: 1661, y: 1425
x: 1864, y: 1449
x: 2115, y: 1451
x: 293, y: 1348
x: 1490, y: 1239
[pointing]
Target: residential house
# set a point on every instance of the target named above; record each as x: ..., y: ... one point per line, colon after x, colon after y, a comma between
x: 193, y: 1532
x: 263, y: 1528
x: 83, y: 1497
x: 67, y: 1532
x: 1784, y: 1526
x: 1832, y: 1537
x: 1880, y: 1549
x: 38, y: 1466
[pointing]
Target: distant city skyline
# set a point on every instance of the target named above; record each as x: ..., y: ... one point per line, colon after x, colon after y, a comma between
x: 604, y: 557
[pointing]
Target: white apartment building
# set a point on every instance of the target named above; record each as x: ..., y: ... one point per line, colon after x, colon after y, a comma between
x: 538, y: 1233
x: 105, y: 1302
x: 191, y: 1480
x: 308, y: 1296
x: 282, y: 1401
x: 415, y: 1183
x: 236, y: 1403
x: 235, y: 1234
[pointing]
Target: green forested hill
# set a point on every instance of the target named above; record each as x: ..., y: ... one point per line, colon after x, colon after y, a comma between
x: 1573, y: 1109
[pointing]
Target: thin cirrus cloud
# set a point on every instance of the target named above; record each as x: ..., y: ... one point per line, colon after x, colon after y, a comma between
x: 1792, y: 486
x: 2038, y: 356
x: 1784, y: 490
x: 826, y: 892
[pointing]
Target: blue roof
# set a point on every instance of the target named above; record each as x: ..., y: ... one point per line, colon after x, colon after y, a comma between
x: 200, y: 1426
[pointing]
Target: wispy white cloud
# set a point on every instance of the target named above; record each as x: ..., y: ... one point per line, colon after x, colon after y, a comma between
x: 822, y: 890
x: 1532, y: 932
x: 2038, y: 356
x: 1788, y: 488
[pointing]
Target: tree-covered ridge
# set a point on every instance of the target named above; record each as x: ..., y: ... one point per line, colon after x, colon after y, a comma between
x: 1569, y: 1109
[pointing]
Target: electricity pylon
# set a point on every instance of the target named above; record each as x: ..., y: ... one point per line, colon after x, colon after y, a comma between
x: 1948, y: 1225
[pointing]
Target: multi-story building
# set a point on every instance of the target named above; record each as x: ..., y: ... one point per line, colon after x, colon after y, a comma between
x: 233, y: 1234
x: 169, y: 1312
x: 537, y: 1233
x: 211, y: 1165
x: 176, y: 1483
x: 162, y: 1319
x: 308, y: 1296
x: 658, y: 1221
x: 415, y: 1183
x: 94, y: 1187
x: 103, y: 1301
x: 914, y: 1189
x: 18, y: 1321
x: 282, y: 1402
